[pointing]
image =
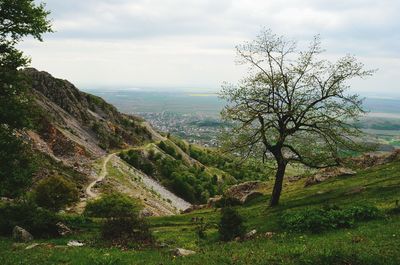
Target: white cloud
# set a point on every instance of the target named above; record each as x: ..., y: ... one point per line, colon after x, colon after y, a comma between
x: 166, y: 43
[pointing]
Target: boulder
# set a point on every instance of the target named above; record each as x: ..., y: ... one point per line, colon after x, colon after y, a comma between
x: 250, y: 235
x: 374, y: 159
x: 269, y: 235
x: 328, y: 173
x: 245, y: 192
x: 32, y: 246
x: 62, y: 229
x: 181, y: 252
x: 21, y: 235
x: 212, y: 202
x: 251, y: 196
x: 74, y: 243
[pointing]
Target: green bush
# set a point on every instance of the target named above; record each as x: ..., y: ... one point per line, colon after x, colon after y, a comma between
x: 25, y: 213
x: 128, y: 231
x: 113, y: 205
x: 123, y: 225
x: 329, y: 217
x: 231, y: 224
x: 55, y: 192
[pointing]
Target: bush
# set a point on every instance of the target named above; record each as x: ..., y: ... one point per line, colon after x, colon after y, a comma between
x: 55, y: 192
x: 114, y: 205
x: 128, y: 231
x: 123, y: 225
x: 231, y: 224
x: 328, y: 217
x: 25, y: 213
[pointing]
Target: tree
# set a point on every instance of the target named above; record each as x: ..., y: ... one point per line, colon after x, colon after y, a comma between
x: 56, y: 192
x: 17, y: 20
x: 293, y: 105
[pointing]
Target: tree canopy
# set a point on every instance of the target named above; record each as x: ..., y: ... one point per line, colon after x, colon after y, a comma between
x: 17, y: 19
x: 293, y: 106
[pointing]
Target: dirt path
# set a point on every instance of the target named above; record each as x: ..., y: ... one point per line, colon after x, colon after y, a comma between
x: 102, y: 175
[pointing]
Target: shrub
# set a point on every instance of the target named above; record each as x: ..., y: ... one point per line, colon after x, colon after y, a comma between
x: 25, y: 213
x: 123, y: 225
x: 114, y: 205
x: 55, y: 192
x: 127, y: 231
x: 231, y: 224
x: 328, y: 217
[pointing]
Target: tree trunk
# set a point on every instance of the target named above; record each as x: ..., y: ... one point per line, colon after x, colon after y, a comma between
x: 276, y: 192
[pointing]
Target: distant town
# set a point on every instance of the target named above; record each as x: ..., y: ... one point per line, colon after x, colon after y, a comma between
x: 195, y: 128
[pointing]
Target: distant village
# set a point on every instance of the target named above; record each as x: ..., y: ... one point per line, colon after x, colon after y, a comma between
x: 195, y: 128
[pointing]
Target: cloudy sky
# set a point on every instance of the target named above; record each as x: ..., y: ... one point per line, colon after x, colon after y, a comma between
x: 190, y: 43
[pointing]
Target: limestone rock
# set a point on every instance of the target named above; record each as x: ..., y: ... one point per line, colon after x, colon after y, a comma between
x: 63, y: 230
x: 251, y: 196
x: 244, y: 192
x: 328, y: 173
x: 74, y: 243
x: 21, y: 235
x: 181, y: 252
x: 250, y: 235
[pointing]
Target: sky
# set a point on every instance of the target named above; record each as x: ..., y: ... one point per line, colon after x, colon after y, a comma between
x: 190, y: 44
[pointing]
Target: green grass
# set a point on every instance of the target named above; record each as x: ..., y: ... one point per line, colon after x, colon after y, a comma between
x: 373, y: 242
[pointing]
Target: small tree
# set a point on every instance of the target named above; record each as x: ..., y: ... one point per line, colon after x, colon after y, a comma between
x: 56, y: 192
x: 293, y: 106
x: 231, y: 224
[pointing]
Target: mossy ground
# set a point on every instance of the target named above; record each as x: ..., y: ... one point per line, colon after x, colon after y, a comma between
x: 373, y: 242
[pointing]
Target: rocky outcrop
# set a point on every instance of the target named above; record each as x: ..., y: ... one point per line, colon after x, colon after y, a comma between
x: 245, y: 192
x: 374, y: 159
x: 19, y: 234
x: 74, y: 122
x: 328, y: 173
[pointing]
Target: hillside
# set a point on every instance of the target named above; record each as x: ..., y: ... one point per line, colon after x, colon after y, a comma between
x: 87, y: 140
x: 373, y: 242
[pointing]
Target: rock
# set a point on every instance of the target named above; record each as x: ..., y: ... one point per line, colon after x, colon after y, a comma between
x: 6, y: 199
x: 327, y: 173
x: 181, y: 252
x: 374, y: 159
x: 245, y: 192
x: 250, y: 235
x: 251, y: 196
x: 214, y: 201
x: 356, y: 190
x: 194, y: 207
x: 32, y: 246
x: 74, y: 243
x: 269, y: 235
x: 21, y: 235
x: 62, y: 229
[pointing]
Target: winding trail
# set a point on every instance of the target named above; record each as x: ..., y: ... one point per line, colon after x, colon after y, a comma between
x: 102, y: 175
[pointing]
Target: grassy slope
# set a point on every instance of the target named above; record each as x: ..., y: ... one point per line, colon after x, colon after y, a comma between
x: 375, y: 242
